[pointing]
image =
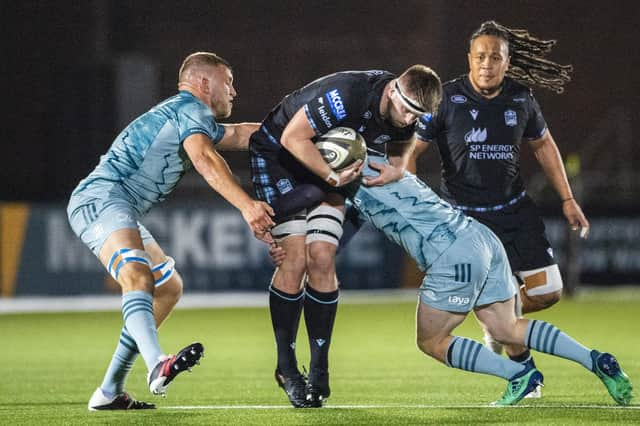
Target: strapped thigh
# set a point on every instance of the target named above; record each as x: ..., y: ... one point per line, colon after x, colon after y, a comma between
x: 542, y: 280
x: 291, y: 225
x: 324, y: 223
x: 162, y: 272
x: 124, y: 256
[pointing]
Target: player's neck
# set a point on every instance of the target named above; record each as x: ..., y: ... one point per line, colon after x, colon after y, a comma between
x: 487, y: 93
x: 195, y: 91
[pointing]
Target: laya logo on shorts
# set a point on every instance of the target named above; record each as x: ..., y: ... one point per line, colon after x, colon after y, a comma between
x: 458, y: 99
x: 457, y: 300
x: 284, y: 186
x: 337, y: 106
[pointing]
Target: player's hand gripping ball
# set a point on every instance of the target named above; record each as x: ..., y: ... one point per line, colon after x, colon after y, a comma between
x: 340, y: 147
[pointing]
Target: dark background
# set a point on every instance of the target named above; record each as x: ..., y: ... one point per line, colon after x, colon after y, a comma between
x: 75, y: 72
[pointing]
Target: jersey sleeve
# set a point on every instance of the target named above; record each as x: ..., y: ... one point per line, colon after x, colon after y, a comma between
x: 536, y: 126
x: 196, y: 118
x: 334, y: 102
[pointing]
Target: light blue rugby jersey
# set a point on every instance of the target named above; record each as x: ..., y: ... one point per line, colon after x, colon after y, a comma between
x: 146, y: 160
x: 412, y: 215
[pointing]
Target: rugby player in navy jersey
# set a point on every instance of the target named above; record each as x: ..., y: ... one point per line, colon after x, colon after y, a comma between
x: 466, y: 270
x: 290, y: 174
x: 143, y: 166
x: 483, y: 120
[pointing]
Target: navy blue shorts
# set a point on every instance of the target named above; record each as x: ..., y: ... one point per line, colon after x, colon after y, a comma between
x: 522, y: 233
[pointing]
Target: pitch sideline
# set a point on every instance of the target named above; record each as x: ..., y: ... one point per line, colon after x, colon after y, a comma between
x: 405, y: 406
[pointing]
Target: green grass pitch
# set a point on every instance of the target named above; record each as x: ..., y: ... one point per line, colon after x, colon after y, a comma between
x: 51, y: 363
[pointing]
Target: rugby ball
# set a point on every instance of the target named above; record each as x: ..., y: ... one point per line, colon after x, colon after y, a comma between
x: 342, y: 146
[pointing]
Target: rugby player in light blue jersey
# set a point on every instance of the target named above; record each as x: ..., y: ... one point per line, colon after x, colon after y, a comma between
x: 143, y: 165
x: 467, y: 269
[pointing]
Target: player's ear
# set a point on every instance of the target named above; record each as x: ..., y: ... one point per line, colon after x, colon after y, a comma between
x: 205, y: 85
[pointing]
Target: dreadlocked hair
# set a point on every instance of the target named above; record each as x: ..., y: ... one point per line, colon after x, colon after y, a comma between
x: 528, y: 65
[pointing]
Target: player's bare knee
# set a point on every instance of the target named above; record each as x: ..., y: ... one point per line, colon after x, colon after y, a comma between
x: 136, y: 277
x: 321, y: 259
x: 173, y: 289
x: 541, y: 288
x: 543, y: 301
x: 425, y: 346
x: 292, y: 269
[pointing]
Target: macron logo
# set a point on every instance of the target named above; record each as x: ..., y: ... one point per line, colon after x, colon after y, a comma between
x: 337, y: 106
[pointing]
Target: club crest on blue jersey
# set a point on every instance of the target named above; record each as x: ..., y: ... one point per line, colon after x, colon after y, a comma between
x: 510, y: 118
x: 284, y: 186
x: 458, y: 99
x: 336, y: 104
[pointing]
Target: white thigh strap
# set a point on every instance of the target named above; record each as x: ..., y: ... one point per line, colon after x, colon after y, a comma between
x: 542, y: 280
x: 324, y: 223
x: 124, y: 256
x: 292, y: 225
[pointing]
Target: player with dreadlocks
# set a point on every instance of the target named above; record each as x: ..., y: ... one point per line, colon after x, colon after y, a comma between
x: 480, y: 125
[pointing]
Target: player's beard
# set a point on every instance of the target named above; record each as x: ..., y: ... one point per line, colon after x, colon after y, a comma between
x: 222, y: 110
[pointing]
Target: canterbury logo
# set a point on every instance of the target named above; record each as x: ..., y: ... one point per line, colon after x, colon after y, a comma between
x: 476, y: 135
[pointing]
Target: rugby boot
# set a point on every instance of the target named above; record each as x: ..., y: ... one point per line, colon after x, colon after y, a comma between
x: 537, y: 392
x: 167, y: 369
x: 123, y: 401
x: 294, y: 386
x: 317, y: 389
x: 606, y: 367
x: 519, y: 386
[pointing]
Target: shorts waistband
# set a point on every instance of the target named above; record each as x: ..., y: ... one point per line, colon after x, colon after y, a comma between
x: 493, y: 208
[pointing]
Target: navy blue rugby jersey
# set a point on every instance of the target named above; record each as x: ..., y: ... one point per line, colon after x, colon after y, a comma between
x: 479, y: 141
x: 349, y: 98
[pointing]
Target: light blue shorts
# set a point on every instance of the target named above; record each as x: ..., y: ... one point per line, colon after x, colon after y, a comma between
x: 473, y: 272
x: 94, y: 220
